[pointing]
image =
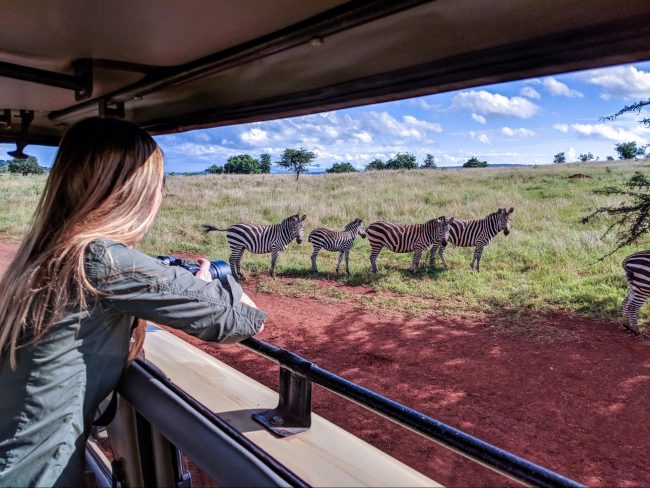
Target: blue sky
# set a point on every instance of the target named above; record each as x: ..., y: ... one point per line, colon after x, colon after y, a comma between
x: 522, y: 122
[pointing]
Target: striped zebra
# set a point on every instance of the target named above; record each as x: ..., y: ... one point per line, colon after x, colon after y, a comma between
x: 637, y: 271
x: 334, y: 240
x: 476, y: 233
x: 260, y: 239
x: 415, y: 238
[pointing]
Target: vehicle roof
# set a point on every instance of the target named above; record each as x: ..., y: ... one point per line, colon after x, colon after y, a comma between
x: 174, y: 66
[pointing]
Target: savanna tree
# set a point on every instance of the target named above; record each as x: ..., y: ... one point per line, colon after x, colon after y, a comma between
x: 584, y: 157
x: 25, y: 167
x: 429, y: 162
x: 375, y: 165
x: 297, y: 160
x: 265, y: 163
x: 242, y: 164
x: 629, y: 150
x: 632, y: 216
x: 214, y: 169
x: 559, y: 158
x: 402, y: 161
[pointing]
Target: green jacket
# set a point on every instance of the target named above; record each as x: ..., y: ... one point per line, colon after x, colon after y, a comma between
x: 49, y: 401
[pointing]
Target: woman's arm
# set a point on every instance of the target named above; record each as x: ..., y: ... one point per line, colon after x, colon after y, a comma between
x: 139, y: 285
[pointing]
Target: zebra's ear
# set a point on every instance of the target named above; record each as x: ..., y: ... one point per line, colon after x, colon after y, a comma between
x: 512, y: 209
x: 501, y: 210
x: 303, y: 217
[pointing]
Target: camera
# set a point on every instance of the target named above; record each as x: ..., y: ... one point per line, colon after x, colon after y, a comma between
x: 219, y: 270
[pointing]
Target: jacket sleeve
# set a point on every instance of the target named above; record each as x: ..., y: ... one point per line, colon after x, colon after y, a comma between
x: 139, y: 285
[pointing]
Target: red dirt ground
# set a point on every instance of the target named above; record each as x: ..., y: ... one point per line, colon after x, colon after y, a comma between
x: 577, y: 406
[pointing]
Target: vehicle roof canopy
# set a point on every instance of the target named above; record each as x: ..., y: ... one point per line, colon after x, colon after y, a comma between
x: 172, y: 66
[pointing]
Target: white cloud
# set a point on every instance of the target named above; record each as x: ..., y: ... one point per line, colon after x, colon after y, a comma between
x: 604, y: 131
x: 480, y: 136
x: 488, y: 103
x: 529, y: 92
x: 479, y: 118
x: 562, y: 127
x: 520, y: 132
x: 421, y: 124
x: 559, y: 89
x: 571, y: 154
x: 364, y: 137
x: 620, y: 81
x: 254, y: 136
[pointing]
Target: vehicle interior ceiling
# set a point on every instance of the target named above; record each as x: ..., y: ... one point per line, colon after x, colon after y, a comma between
x: 173, y: 66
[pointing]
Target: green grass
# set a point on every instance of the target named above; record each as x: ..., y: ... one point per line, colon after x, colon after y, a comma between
x: 550, y: 261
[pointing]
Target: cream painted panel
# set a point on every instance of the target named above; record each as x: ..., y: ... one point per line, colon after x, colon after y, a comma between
x: 326, y: 455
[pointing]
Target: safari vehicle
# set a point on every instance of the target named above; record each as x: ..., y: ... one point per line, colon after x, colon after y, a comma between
x: 173, y: 66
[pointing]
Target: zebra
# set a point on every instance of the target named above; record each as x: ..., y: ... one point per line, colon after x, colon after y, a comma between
x: 260, y: 239
x: 406, y: 238
x: 477, y: 233
x: 637, y: 271
x: 333, y: 240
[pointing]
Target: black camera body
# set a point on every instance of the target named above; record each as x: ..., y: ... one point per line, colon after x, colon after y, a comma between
x: 219, y: 270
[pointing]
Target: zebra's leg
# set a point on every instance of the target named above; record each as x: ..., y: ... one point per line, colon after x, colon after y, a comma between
x: 314, y: 255
x: 235, y: 258
x: 274, y: 258
x: 347, y: 261
x: 477, y: 258
x: 432, y: 256
x: 338, y: 264
x: 441, y: 252
x: 416, y: 260
x: 633, y: 306
x: 374, y: 252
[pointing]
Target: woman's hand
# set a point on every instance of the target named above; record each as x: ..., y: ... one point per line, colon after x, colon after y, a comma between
x: 204, y: 272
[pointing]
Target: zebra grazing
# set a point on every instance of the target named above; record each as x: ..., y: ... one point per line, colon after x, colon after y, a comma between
x: 637, y: 271
x: 334, y: 240
x: 406, y: 238
x: 260, y: 239
x: 477, y: 233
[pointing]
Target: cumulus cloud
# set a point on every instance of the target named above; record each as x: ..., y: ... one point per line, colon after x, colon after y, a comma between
x: 603, y: 131
x: 409, y: 128
x: 363, y: 137
x: 530, y: 92
x: 484, y: 102
x: 520, y: 132
x: 621, y: 81
x: 559, y: 89
x: 562, y: 127
x: 480, y: 136
x: 479, y: 118
x: 254, y: 136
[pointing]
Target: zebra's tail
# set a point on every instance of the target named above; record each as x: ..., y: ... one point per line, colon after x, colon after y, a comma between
x: 209, y: 228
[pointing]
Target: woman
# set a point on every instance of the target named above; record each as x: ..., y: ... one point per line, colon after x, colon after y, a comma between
x: 75, y: 288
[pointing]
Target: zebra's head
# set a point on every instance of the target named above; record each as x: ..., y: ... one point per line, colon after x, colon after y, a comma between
x: 357, y: 226
x: 441, y: 230
x: 296, y: 226
x: 504, y: 220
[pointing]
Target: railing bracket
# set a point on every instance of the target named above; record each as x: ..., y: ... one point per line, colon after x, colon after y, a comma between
x: 293, y: 413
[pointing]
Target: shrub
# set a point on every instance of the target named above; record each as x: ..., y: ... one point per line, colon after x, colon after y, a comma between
x: 629, y: 150
x: 214, y: 170
x: 474, y: 162
x: 25, y: 167
x: 341, y: 168
x: 585, y: 157
x: 402, y: 161
x: 429, y: 162
x: 242, y: 164
x: 559, y: 158
x: 375, y: 165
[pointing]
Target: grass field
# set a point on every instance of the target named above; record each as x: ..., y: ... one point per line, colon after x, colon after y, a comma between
x: 549, y: 262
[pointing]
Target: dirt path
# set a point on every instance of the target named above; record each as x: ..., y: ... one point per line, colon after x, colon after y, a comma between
x: 576, y: 403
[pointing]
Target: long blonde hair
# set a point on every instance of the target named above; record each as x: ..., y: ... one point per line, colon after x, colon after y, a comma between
x: 106, y: 181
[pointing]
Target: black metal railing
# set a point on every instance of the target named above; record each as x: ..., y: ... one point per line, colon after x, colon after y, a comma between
x: 293, y: 414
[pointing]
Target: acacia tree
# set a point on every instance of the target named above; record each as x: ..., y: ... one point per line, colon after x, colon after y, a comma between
x: 629, y: 150
x: 585, y: 157
x: 402, y: 161
x: 341, y: 168
x: 297, y: 160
